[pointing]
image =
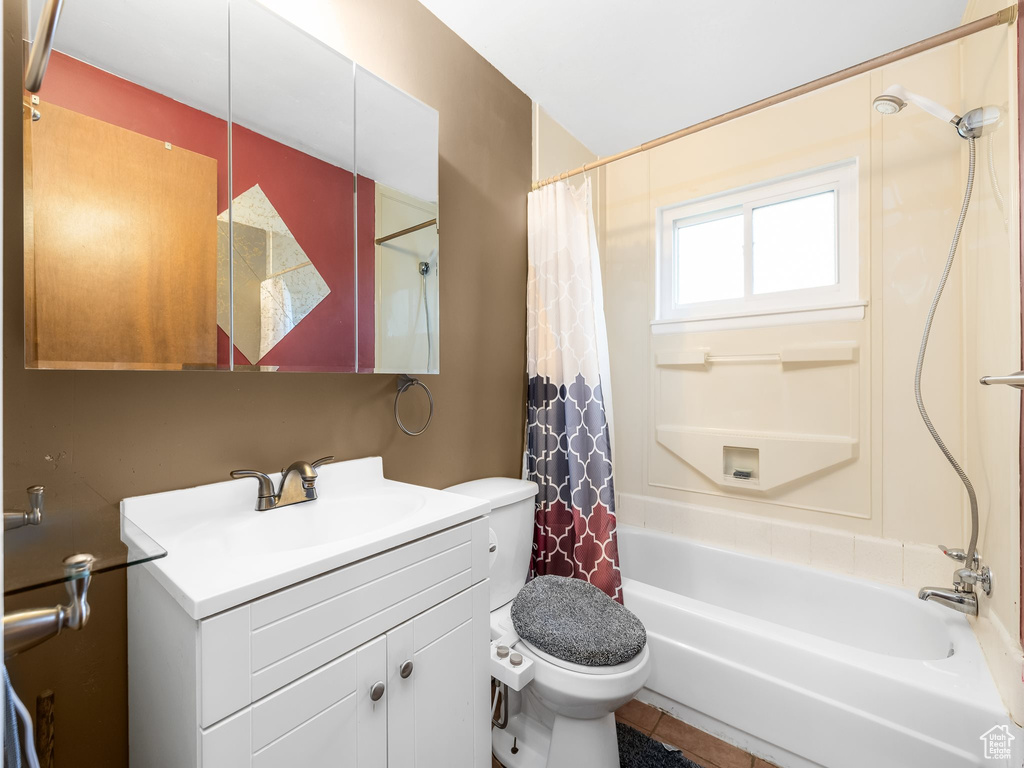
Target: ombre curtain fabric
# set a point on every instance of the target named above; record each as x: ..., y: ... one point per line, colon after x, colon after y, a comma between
x: 569, y: 452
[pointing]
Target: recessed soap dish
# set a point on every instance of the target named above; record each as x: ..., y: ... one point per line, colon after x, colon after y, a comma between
x: 741, y: 464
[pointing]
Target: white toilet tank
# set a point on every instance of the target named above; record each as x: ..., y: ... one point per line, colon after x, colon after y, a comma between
x: 511, y: 535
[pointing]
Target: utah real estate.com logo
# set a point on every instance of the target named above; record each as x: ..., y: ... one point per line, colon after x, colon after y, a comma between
x: 997, y: 742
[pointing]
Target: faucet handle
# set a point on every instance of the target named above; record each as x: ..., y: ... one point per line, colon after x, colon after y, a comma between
x: 954, y: 554
x: 266, y: 484
x: 958, y: 554
x: 324, y: 460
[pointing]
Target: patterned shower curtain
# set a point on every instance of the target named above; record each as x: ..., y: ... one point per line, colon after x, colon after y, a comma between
x: 568, y: 432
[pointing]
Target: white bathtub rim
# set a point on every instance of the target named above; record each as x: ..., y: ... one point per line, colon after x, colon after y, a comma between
x: 956, y: 624
x: 849, y: 578
x: 949, y: 683
x: 781, y: 668
x: 967, y: 664
x: 967, y: 672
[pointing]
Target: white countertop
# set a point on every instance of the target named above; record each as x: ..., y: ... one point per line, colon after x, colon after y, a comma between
x: 222, y: 553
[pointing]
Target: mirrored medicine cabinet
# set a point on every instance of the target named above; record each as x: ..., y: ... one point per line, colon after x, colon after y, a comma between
x: 282, y: 218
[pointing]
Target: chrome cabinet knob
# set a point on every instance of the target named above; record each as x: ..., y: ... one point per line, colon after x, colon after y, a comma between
x: 406, y: 669
x: 377, y: 691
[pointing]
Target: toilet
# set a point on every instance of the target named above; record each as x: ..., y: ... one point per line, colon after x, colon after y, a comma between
x: 586, y: 662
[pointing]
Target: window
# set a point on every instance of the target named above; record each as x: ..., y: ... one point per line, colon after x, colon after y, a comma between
x: 782, y: 247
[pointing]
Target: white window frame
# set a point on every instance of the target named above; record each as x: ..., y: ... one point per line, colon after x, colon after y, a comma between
x: 782, y: 307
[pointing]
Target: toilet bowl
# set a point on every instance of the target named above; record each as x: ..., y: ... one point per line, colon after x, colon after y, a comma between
x: 564, y: 717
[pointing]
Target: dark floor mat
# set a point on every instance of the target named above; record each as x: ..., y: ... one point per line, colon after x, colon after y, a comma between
x: 639, y: 751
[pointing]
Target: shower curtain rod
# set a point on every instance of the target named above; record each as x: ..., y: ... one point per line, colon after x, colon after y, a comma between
x: 406, y: 231
x: 1006, y: 16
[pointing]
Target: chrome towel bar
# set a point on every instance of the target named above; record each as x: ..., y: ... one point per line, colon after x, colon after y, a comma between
x: 1013, y: 380
x: 39, y: 56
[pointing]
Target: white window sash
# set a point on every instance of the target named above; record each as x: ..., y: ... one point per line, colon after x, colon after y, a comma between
x: 840, y: 178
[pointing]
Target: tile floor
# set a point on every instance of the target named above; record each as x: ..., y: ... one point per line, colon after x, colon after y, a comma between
x: 702, y: 748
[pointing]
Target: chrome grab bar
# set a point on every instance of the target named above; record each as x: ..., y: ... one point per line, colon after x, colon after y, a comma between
x: 39, y: 56
x: 27, y: 629
x: 1013, y: 380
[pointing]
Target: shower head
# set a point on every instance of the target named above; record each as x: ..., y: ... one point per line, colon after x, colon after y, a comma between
x: 889, y: 104
x: 896, y: 97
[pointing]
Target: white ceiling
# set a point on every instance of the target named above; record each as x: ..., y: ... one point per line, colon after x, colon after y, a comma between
x: 616, y: 73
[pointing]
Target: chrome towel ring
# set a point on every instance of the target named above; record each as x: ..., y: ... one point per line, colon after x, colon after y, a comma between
x: 407, y: 382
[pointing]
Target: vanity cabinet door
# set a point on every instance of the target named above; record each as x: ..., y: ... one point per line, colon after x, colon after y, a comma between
x: 327, y: 718
x: 437, y: 712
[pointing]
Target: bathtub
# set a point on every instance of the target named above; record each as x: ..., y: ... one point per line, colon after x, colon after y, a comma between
x: 807, y: 668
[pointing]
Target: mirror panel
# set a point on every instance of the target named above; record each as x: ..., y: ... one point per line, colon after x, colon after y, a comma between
x: 292, y: 218
x: 397, y: 165
x: 126, y: 167
x: 175, y: 220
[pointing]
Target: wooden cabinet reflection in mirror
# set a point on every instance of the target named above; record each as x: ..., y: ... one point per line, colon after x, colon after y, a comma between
x: 120, y: 248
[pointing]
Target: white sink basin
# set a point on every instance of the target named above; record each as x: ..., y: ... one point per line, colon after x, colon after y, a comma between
x: 221, y: 552
x: 308, y: 525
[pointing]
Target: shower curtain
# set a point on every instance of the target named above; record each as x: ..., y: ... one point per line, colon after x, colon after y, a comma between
x: 569, y: 452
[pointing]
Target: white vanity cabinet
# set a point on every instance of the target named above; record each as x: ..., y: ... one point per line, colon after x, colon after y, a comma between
x: 380, y: 663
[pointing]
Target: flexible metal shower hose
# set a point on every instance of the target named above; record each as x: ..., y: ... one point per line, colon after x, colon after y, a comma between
x: 924, y: 347
x: 426, y: 313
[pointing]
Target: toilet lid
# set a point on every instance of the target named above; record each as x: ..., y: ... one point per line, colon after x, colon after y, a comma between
x: 576, y: 622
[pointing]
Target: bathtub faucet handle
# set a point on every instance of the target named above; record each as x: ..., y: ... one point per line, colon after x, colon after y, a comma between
x: 959, y: 555
x: 956, y: 554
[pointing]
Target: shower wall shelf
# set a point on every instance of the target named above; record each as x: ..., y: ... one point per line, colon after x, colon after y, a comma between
x: 781, y: 457
x: 820, y: 354
x: 76, y: 519
x: 75, y: 535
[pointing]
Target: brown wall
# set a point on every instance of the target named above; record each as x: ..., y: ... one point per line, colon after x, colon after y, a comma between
x: 127, y: 433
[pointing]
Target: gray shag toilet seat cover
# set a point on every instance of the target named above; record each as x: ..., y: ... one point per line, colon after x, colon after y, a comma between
x: 575, y: 621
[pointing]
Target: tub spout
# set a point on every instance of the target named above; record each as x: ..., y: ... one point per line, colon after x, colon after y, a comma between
x: 965, y: 602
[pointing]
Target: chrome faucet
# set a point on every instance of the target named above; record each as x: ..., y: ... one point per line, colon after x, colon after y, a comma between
x: 298, y: 484
x: 962, y: 596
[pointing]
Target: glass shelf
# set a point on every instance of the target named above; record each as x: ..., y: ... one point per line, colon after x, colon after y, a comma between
x: 76, y: 520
